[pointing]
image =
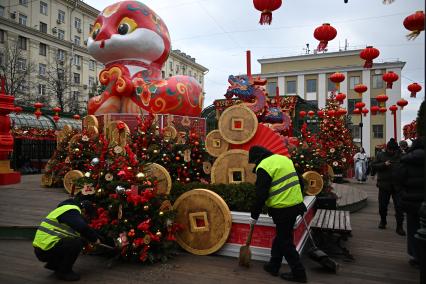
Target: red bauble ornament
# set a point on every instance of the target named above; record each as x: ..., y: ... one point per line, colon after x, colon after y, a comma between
x: 365, y: 111
x: 266, y: 7
x: 382, y: 99
x: 374, y: 110
x: 340, y: 97
x: 415, y: 23
x: 324, y: 34
x: 320, y: 113
x: 311, y: 113
x: 360, y: 88
x: 393, y: 108
x: 414, y: 88
x: 359, y: 105
x: 389, y: 78
x: 302, y: 114
x: 402, y: 103
x: 331, y: 113
x: 342, y: 112
x: 368, y: 54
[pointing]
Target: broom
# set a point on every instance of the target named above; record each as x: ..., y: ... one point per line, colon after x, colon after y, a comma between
x: 320, y: 256
x: 245, y: 253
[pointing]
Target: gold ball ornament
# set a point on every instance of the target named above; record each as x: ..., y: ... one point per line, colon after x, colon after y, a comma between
x: 161, y: 213
x: 87, y: 174
x: 146, y: 208
x: 158, y: 234
x: 140, y: 176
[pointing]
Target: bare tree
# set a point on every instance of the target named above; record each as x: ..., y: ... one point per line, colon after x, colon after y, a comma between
x: 58, y: 84
x: 15, y: 68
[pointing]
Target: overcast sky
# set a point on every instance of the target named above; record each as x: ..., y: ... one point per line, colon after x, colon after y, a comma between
x: 218, y: 32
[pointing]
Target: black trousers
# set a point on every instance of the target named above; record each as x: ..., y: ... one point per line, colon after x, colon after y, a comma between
x: 62, y: 256
x: 283, y: 246
x: 384, y: 198
x: 413, y: 224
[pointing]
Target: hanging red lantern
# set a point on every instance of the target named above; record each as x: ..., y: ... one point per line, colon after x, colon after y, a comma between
x: 389, y: 78
x: 365, y: 111
x: 374, y: 110
x: 337, y: 78
x: 76, y: 116
x: 56, y: 117
x: 341, y: 112
x: 324, y: 34
x: 383, y: 110
x: 359, y: 105
x: 331, y: 113
x: 311, y: 113
x: 17, y: 110
x: 37, y: 111
x: 360, y: 88
x: 266, y: 7
x: 302, y: 114
x: 393, y: 108
x: 382, y: 99
x: 356, y: 111
x: 320, y: 113
x: 340, y: 97
x: 414, y: 88
x: 415, y: 23
x: 402, y: 103
x: 368, y: 54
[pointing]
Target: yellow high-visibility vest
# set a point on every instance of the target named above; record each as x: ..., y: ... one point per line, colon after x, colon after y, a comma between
x: 285, y: 189
x: 51, y: 231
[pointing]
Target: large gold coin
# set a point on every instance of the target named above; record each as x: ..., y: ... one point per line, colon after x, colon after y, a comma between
x: 238, y: 124
x: 206, y: 220
x: 90, y: 120
x: 117, y: 136
x: 69, y: 179
x: 215, y: 144
x: 162, y: 176
x: 233, y: 167
x: 313, y: 182
x: 330, y: 172
x: 46, y: 180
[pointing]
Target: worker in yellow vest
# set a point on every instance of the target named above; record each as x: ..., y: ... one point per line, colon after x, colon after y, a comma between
x: 61, y: 235
x: 278, y: 187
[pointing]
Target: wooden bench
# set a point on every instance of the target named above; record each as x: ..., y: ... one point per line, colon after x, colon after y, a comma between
x: 328, y: 223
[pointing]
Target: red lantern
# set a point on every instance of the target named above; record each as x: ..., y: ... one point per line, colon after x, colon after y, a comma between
x: 56, y: 116
x: 320, y: 113
x: 383, y: 110
x: 37, y: 111
x: 414, y: 88
x: 389, y: 78
x: 393, y: 108
x: 356, y: 111
x: 368, y: 54
x: 340, y: 97
x: 266, y: 7
x: 311, y: 113
x: 76, y: 116
x: 341, y: 112
x: 359, y: 105
x: 302, y: 114
x: 324, y: 34
x: 337, y: 78
x: 18, y: 110
x: 382, y: 99
x: 360, y: 88
x: 415, y: 23
x: 374, y: 110
x: 402, y: 103
x: 365, y: 111
x: 331, y: 113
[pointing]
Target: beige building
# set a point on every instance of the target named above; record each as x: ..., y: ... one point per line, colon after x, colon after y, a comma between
x: 307, y: 76
x: 51, y: 31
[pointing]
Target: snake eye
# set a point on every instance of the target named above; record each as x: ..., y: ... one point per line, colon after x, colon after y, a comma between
x: 95, y: 31
x: 123, y: 29
x: 126, y: 26
x: 95, y: 34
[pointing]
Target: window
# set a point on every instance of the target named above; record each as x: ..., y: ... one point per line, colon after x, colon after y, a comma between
x: 271, y: 88
x: 77, y: 60
x: 183, y: 70
x: 91, y: 81
x: 374, y: 102
x: 311, y: 85
x: 331, y: 86
x: 23, y: 3
x: 22, y: 19
x: 21, y: 64
x: 43, y: 27
x: 76, y: 78
x: 60, y: 55
x: 23, y: 87
x: 42, y: 69
x: 377, y: 82
x: 41, y: 89
x: 377, y: 130
x: 77, y: 40
x: 61, y: 74
x: 190, y: 72
x: 356, y: 132
x: 1, y: 11
x: 291, y: 87
x: 61, y: 16
x: 77, y: 23
x: 42, y: 49
x: 177, y: 69
x: 43, y: 8
x: 92, y: 64
x: 171, y: 65
x: 61, y: 34
x: 2, y: 36
x: 353, y: 81
x: 313, y: 103
x: 22, y: 42
x: 351, y: 105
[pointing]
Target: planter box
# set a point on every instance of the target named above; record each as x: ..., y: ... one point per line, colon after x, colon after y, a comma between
x: 264, y: 233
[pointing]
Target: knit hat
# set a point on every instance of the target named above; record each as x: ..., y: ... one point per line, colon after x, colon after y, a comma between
x: 392, y: 145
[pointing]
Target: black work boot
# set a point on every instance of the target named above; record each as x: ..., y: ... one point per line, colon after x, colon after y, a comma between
x: 382, y: 224
x: 400, y: 230
x: 272, y: 268
x: 295, y: 276
x: 67, y: 276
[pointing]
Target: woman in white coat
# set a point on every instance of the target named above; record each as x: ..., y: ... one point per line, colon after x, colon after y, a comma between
x: 360, y: 161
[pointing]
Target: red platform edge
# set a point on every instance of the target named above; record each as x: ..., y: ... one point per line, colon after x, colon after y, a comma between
x: 10, y: 178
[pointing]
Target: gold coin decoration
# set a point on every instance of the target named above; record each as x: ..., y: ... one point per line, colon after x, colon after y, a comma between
x: 47, y: 180
x: 90, y: 120
x: 69, y: 179
x: 238, y: 124
x: 233, y: 167
x: 215, y: 144
x: 162, y: 176
x: 169, y: 132
x: 115, y: 135
x: 313, y: 182
x: 206, y: 219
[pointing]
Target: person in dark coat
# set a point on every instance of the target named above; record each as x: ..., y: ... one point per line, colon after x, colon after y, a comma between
x: 411, y: 175
x: 279, y: 188
x: 61, y: 235
x: 386, y: 166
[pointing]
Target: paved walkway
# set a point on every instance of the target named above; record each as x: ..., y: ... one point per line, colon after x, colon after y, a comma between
x: 380, y: 255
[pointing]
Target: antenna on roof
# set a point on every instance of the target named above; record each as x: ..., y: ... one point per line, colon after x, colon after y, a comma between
x: 307, y: 50
x: 346, y: 44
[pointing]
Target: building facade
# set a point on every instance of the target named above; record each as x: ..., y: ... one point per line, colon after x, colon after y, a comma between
x: 307, y: 76
x: 53, y: 34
